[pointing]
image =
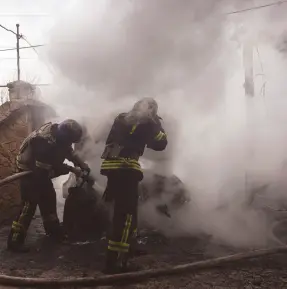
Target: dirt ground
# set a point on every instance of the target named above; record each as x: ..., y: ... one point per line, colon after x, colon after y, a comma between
x: 47, y: 259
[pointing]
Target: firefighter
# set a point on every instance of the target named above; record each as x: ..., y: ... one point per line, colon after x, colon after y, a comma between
x: 44, y: 152
x: 130, y: 134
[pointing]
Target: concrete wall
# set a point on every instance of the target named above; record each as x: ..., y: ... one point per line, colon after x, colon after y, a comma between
x: 12, y: 133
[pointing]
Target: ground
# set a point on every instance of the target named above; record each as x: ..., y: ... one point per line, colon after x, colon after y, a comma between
x: 81, y: 260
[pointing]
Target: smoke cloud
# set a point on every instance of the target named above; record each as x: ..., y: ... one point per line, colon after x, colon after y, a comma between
x: 188, y: 56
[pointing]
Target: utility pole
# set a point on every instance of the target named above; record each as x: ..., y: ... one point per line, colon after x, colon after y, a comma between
x: 18, y: 52
x: 248, y: 67
x: 249, y: 113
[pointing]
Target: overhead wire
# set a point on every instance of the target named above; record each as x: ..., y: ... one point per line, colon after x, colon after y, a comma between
x: 30, y: 45
x: 7, y: 29
x: 257, y: 7
x: 23, y: 47
x: 228, y: 13
x: 33, y: 47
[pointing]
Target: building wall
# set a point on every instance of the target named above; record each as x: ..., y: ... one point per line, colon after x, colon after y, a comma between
x: 12, y: 133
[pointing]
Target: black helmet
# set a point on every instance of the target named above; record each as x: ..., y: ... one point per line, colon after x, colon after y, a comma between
x: 69, y: 131
x: 148, y: 106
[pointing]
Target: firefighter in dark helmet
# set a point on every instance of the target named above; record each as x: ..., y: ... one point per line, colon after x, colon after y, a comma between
x: 130, y: 134
x: 44, y: 152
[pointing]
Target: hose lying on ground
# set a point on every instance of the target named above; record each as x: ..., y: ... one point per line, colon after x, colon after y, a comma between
x: 135, y: 277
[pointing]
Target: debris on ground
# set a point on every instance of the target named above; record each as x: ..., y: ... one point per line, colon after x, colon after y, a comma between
x: 86, y: 258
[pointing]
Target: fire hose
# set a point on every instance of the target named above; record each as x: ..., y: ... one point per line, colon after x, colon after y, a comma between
x: 20, y: 175
x: 135, y: 277
x: 14, y: 178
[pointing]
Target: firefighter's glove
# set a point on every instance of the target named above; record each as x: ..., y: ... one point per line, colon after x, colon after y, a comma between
x: 85, y: 168
x: 78, y: 172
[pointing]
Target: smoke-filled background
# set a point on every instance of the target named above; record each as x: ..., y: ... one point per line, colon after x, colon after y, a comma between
x: 187, y: 54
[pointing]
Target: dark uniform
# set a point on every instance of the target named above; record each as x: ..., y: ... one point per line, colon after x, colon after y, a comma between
x: 43, y: 152
x: 125, y: 144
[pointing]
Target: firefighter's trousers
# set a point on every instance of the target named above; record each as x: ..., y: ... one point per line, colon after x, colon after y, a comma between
x: 122, y: 190
x: 35, y: 191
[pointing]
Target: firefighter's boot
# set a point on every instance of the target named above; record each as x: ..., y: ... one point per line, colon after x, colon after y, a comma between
x: 111, y: 266
x: 16, y: 241
x: 135, y: 248
x: 55, y: 231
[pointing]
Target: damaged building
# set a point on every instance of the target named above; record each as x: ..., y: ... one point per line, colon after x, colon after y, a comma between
x: 19, y: 116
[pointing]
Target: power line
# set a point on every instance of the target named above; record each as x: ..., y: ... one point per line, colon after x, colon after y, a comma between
x: 9, y: 30
x: 257, y: 7
x: 19, y: 36
x: 24, y: 47
x: 42, y: 84
x: 25, y: 14
x: 30, y: 45
x: 36, y: 84
x: 4, y: 58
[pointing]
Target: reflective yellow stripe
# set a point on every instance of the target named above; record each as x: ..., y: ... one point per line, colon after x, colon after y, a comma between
x: 160, y: 136
x: 24, y: 211
x: 119, y: 244
x: 17, y: 227
x: 120, y: 167
x: 43, y: 165
x: 129, y: 223
x: 133, y: 129
x: 16, y: 224
x: 123, y: 246
x: 19, y: 165
x: 15, y: 236
x: 121, y: 163
x: 122, y: 160
x: 126, y: 230
x: 117, y: 249
x: 22, y: 167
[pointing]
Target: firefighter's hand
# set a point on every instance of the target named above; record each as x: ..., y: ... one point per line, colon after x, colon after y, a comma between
x: 85, y: 167
x: 78, y: 172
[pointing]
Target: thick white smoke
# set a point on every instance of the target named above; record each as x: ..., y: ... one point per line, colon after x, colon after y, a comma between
x: 188, y: 56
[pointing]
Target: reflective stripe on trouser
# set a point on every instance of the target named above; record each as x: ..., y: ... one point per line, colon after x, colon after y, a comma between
x: 122, y: 185
x: 21, y: 225
x: 122, y: 246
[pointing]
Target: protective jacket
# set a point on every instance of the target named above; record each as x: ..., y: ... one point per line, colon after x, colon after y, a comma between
x: 126, y: 143
x: 41, y: 153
